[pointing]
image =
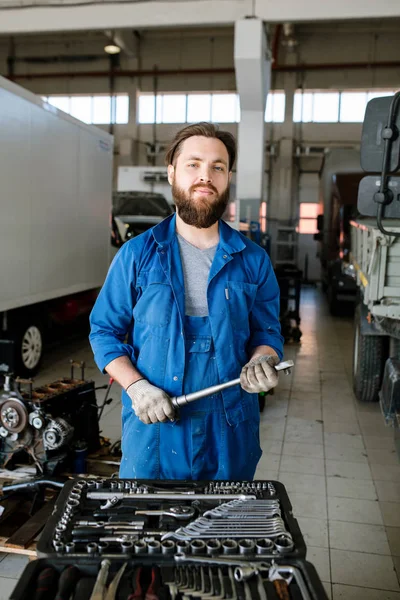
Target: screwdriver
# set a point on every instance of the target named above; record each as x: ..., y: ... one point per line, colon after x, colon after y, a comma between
x: 46, y: 584
x: 67, y: 582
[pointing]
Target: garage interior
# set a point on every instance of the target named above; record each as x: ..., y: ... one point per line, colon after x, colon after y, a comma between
x: 182, y: 61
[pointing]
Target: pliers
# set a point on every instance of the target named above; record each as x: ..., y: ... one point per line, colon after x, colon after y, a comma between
x: 151, y: 590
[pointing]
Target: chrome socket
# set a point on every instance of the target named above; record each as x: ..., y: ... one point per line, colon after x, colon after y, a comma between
x: 59, y: 547
x: 92, y: 548
x: 213, y: 547
x: 197, y: 547
x: 154, y: 547
x: 140, y: 547
x: 284, y: 544
x: 168, y: 547
x: 264, y: 546
x: 127, y: 547
x: 70, y: 547
x: 229, y: 546
x: 246, y: 546
x: 102, y: 546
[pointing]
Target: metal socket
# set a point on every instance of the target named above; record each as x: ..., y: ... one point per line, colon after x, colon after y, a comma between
x: 102, y: 546
x: 99, y: 484
x: 58, y: 546
x: 182, y: 546
x: 246, y: 546
x: 70, y: 547
x: 92, y: 548
x: 127, y: 547
x: 213, y: 547
x: 154, y: 547
x: 284, y: 544
x: 264, y: 546
x: 168, y: 547
x: 229, y: 546
x: 197, y: 547
x: 140, y: 547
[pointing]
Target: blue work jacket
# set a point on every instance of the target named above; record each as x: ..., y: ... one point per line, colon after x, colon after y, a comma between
x: 141, y: 308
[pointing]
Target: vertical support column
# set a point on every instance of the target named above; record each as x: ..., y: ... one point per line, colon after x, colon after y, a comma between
x: 253, y: 73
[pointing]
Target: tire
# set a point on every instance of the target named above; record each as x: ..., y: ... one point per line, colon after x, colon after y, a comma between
x: 369, y: 357
x: 28, y: 341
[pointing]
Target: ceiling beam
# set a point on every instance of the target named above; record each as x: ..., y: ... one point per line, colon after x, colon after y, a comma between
x: 34, y: 16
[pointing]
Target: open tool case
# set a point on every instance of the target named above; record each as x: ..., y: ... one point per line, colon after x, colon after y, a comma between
x: 171, y: 540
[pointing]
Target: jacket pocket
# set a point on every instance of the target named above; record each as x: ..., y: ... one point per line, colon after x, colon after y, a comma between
x: 152, y: 359
x: 155, y: 299
x: 240, y: 300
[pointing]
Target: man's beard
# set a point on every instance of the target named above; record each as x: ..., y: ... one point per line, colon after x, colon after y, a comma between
x: 202, y: 212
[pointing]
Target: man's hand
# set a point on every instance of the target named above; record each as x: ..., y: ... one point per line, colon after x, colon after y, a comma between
x: 151, y: 405
x: 259, y: 374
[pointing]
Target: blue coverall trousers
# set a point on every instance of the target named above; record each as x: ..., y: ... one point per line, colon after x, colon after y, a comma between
x: 201, y: 444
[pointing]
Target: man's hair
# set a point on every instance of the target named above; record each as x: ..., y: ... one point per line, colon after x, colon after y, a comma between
x: 206, y: 130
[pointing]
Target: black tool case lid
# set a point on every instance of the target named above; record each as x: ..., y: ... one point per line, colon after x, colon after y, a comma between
x: 90, y: 509
x: 89, y: 567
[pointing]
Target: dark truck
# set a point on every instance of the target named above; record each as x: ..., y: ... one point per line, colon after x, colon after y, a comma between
x: 339, y: 179
x: 134, y: 213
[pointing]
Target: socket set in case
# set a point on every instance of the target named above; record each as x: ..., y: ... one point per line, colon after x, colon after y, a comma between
x: 120, y: 539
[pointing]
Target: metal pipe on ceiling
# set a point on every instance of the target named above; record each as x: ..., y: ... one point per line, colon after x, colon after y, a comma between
x: 218, y: 71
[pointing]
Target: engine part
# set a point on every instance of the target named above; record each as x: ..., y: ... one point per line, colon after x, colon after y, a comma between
x: 57, y: 433
x: 36, y: 423
x: 13, y: 415
x: 37, y: 419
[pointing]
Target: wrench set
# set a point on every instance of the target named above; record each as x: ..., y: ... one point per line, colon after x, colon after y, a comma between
x: 112, y: 539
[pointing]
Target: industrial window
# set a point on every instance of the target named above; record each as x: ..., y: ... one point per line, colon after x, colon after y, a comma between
x: 191, y: 108
x: 275, y: 109
x: 308, y: 217
x: 94, y: 110
x: 333, y: 106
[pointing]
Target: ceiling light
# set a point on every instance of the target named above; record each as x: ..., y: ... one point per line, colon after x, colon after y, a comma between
x: 112, y: 49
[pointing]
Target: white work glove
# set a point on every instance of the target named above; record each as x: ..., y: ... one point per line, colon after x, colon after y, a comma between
x: 151, y: 405
x: 259, y: 374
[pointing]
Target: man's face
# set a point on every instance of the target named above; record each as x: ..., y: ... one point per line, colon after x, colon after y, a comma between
x: 200, y: 181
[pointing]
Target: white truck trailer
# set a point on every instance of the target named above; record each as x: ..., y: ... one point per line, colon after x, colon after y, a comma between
x: 56, y: 189
x: 376, y: 366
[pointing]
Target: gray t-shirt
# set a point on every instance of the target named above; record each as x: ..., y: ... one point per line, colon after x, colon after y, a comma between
x: 196, y: 264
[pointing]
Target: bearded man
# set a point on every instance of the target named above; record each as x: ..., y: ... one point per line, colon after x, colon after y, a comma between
x: 186, y: 305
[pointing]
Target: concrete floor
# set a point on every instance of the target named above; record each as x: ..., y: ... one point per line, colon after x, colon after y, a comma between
x: 335, y: 456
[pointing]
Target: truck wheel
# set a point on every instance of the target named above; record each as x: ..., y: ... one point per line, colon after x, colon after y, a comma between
x: 368, y: 364
x: 28, y: 348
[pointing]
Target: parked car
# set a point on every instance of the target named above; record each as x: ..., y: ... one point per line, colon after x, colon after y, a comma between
x: 135, y: 212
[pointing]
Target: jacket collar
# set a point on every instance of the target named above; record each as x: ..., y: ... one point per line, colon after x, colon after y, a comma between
x: 229, y: 240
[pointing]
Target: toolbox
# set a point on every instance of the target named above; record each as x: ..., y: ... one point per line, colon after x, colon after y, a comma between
x: 120, y: 539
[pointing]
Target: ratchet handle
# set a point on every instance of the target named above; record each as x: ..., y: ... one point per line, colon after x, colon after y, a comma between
x: 178, y: 401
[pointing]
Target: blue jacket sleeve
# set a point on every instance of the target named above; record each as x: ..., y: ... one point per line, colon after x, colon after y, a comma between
x: 112, y: 317
x: 265, y: 326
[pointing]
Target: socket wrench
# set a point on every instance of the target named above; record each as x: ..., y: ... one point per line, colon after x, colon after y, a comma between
x: 178, y: 401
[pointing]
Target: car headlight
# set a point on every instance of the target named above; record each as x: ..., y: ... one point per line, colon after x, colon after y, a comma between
x: 349, y: 270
